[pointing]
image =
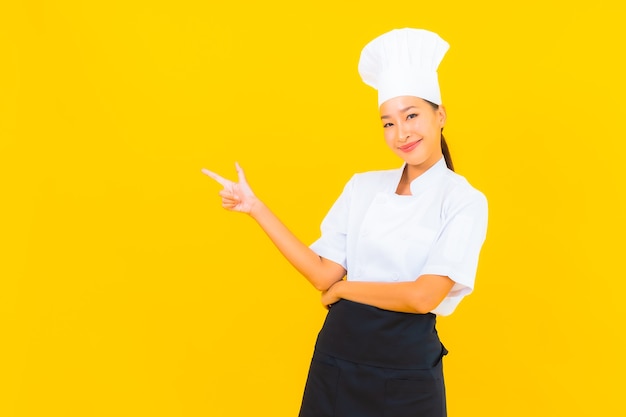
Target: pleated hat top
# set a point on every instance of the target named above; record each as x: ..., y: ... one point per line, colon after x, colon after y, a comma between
x: 404, y: 62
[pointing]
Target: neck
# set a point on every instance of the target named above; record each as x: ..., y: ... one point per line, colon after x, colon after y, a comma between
x: 411, y: 172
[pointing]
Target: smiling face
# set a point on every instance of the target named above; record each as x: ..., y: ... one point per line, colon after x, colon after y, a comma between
x: 412, y: 129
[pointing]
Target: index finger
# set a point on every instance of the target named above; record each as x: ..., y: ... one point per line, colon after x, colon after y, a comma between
x: 216, y: 177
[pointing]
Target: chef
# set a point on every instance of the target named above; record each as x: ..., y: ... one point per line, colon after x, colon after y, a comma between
x: 397, y: 249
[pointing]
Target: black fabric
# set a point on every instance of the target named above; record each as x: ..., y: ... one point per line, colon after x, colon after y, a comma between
x: 370, y: 362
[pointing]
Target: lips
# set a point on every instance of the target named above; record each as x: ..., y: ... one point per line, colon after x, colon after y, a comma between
x: 409, y: 146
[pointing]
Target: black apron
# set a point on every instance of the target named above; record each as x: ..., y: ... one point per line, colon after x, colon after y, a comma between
x: 370, y: 362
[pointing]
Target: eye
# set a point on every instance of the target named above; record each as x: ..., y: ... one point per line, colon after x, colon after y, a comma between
x: 412, y: 116
x: 386, y: 125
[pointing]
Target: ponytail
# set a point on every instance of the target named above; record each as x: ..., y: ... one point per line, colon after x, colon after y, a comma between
x: 446, y: 153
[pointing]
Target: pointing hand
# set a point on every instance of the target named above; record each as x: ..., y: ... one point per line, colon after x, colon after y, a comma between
x: 235, y: 196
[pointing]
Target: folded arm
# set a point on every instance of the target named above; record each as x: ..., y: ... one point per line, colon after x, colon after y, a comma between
x: 419, y: 296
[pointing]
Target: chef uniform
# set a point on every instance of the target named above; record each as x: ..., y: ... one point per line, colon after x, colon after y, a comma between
x: 370, y: 362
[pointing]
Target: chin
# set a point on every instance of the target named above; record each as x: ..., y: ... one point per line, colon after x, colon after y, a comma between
x: 416, y: 161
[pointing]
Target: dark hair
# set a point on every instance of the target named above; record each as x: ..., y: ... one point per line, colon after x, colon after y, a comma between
x: 444, y: 145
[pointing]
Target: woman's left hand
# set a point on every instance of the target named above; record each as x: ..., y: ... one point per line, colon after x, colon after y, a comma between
x: 330, y: 296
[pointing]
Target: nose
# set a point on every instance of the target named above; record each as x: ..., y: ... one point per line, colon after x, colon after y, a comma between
x: 403, y: 134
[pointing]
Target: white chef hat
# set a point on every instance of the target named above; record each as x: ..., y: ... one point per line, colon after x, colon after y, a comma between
x: 404, y: 62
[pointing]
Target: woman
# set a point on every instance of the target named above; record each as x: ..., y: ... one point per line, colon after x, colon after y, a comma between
x: 406, y: 241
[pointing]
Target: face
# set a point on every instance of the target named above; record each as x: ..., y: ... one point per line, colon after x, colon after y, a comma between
x: 412, y: 129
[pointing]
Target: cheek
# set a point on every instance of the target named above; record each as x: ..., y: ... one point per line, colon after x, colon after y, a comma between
x: 420, y: 125
x: 388, y: 135
x: 429, y: 129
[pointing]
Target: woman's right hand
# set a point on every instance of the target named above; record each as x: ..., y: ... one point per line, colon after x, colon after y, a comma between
x: 235, y: 196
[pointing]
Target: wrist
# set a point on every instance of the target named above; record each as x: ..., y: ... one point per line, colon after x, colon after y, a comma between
x: 338, y: 288
x: 256, y: 207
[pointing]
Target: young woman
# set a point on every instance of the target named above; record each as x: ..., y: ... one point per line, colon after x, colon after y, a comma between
x: 398, y: 248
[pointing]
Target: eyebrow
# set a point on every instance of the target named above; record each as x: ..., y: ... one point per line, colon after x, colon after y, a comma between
x: 401, y: 111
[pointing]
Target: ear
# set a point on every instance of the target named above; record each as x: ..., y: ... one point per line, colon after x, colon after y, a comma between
x: 441, y: 116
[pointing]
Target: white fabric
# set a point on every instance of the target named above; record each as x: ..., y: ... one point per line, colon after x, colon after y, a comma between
x: 377, y: 235
x: 404, y: 62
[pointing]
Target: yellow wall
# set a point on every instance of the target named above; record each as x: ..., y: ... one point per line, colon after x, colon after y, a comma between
x: 125, y: 289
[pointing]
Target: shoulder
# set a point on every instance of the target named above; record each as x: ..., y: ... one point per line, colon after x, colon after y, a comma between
x: 459, y: 192
x: 375, y: 179
x: 364, y: 186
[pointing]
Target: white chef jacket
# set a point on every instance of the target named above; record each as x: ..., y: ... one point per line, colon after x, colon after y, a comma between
x: 378, y: 235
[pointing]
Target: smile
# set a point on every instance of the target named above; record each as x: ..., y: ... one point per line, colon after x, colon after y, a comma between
x: 409, y: 146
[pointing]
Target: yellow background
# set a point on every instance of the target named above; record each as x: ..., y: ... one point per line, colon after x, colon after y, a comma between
x: 126, y: 290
